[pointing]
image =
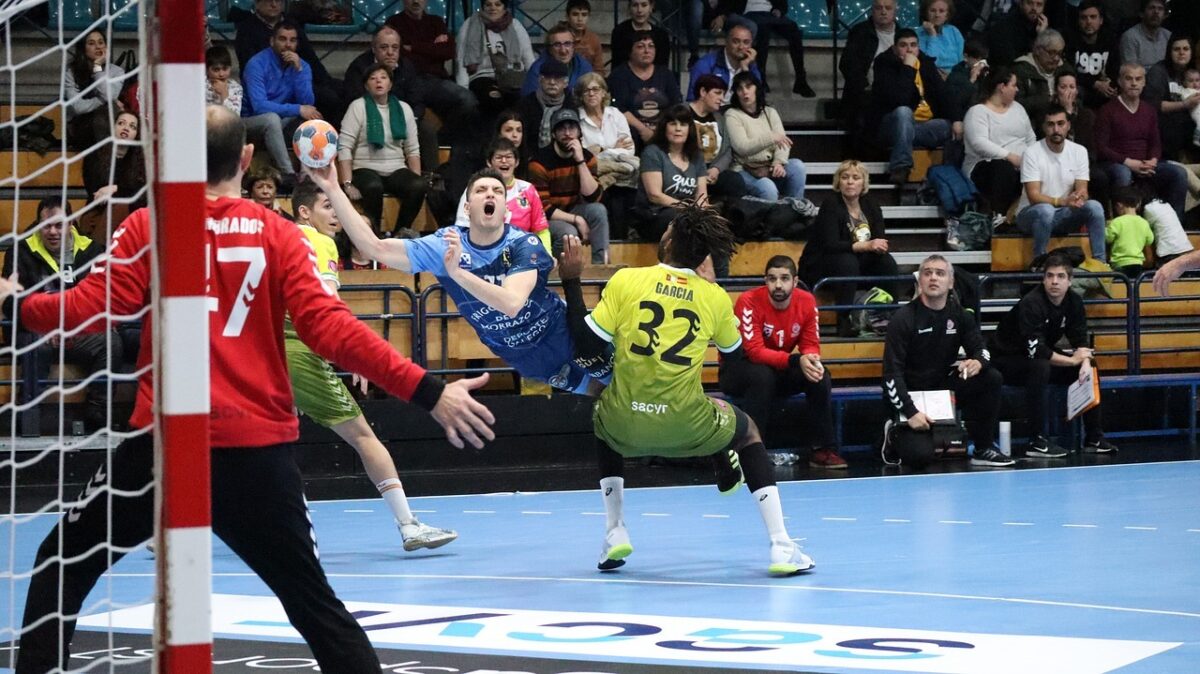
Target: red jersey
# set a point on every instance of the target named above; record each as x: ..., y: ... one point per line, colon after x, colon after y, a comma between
x: 769, y: 335
x: 260, y: 268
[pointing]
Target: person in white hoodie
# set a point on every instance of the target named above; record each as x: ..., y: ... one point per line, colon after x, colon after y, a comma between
x: 100, y: 82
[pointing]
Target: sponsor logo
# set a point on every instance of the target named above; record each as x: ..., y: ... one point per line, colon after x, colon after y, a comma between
x: 925, y: 331
x: 950, y: 329
x: 650, y: 408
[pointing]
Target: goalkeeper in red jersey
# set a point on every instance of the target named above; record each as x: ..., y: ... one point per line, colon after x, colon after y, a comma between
x: 260, y: 267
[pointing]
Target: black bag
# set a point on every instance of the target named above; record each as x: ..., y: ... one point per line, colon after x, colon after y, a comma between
x: 902, y: 446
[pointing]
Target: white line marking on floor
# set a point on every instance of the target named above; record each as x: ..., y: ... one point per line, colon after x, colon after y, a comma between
x: 954, y: 522
x: 479, y: 512
x: 358, y: 511
x: 1142, y: 528
x: 600, y: 514
x: 1194, y: 531
x: 892, y: 520
x: 1018, y: 524
x: 840, y: 519
x: 1081, y: 526
x: 424, y: 511
x: 717, y: 517
x: 656, y: 514
x: 536, y: 512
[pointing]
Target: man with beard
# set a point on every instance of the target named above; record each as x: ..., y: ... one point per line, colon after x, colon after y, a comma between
x: 1145, y: 43
x: 1092, y: 49
x: 781, y: 335
x: 564, y: 174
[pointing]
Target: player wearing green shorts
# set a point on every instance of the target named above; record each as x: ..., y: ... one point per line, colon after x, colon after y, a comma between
x: 659, y: 320
x: 321, y: 395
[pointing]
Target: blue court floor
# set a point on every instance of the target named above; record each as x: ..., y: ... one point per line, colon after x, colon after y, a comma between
x: 1089, y: 569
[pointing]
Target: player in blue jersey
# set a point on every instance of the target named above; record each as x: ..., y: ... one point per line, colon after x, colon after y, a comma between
x: 496, y: 275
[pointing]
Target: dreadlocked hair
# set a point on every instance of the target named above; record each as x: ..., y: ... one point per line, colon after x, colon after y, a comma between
x: 696, y: 233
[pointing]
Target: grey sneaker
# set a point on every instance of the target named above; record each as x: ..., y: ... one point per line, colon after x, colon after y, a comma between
x: 616, y: 548
x: 1043, y: 448
x: 991, y: 457
x: 417, y: 535
x: 1100, y: 446
x: 787, y: 559
x: 804, y: 207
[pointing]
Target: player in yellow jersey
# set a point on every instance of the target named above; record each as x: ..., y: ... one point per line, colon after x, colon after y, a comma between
x: 321, y: 395
x: 659, y: 320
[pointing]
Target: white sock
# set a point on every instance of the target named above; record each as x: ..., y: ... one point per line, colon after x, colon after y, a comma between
x: 393, y: 495
x: 613, y: 490
x: 772, y: 513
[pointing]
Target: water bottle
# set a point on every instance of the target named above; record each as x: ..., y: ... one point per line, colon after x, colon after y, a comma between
x: 1006, y: 438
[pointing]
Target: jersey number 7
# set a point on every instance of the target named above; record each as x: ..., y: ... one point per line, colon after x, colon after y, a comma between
x: 650, y: 327
x: 256, y: 260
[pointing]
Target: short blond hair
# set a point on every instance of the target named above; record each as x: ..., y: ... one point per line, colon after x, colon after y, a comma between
x: 851, y: 165
x: 586, y: 80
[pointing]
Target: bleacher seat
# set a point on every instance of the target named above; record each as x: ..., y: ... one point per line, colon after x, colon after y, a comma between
x: 127, y: 19
x: 74, y: 14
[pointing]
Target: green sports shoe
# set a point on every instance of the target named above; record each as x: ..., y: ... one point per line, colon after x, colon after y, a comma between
x: 616, y: 548
x: 728, y: 469
x: 787, y: 560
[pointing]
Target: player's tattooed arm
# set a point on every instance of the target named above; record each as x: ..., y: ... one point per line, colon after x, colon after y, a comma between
x: 389, y: 252
x: 508, y: 298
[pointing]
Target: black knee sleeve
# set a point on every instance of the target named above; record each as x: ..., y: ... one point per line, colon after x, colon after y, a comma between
x: 756, y: 466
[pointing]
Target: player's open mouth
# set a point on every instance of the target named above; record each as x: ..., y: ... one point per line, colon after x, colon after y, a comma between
x: 489, y: 208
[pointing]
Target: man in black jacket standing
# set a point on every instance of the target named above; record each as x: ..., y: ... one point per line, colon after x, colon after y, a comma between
x: 867, y: 39
x: 909, y: 104
x: 57, y: 250
x: 1025, y: 349
x: 921, y: 354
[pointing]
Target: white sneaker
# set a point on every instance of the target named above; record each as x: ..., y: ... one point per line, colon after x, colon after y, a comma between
x: 417, y: 535
x: 787, y: 560
x: 616, y: 548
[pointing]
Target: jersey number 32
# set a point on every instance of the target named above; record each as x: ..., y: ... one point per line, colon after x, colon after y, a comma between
x: 650, y: 327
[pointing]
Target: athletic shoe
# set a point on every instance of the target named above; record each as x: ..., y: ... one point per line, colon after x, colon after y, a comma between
x: 1100, y: 446
x: 826, y: 458
x: 417, y: 535
x: 899, y: 176
x: 991, y: 457
x: 801, y: 87
x: 728, y: 469
x: 1042, y: 448
x: 804, y: 207
x: 616, y: 548
x: 787, y: 560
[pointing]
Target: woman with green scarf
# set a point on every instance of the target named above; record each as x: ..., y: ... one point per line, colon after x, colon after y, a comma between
x: 378, y: 152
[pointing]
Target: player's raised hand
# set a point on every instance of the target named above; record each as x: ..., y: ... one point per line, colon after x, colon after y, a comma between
x: 325, y: 177
x: 9, y: 286
x: 453, y: 250
x: 1167, y: 273
x: 463, y: 417
x: 570, y: 260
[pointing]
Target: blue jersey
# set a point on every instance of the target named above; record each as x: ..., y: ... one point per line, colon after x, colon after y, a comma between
x: 536, y: 342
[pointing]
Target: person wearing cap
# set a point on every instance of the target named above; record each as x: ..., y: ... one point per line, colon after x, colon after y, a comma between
x: 536, y: 108
x: 564, y: 173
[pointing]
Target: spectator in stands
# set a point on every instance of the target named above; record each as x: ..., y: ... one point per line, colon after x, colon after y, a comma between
x: 713, y: 134
x: 997, y: 132
x: 537, y: 108
x: 119, y: 168
x: 737, y: 56
x: 494, y: 53
x: 426, y: 39
x: 378, y: 152
x: 1037, y: 70
x: 564, y: 174
x: 639, y: 21
x: 279, y: 89
x: 525, y: 211
x: 909, y: 104
x: 1082, y: 131
x: 262, y: 186
x: 938, y: 38
x: 848, y: 239
x: 221, y: 89
x: 963, y: 85
x: 761, y: 147
x: 765, y: 18
x: 1012, y: 34
x: 1025, y: 351
x: 673, y: 173
x: 89, y: 69
x: 1165, y: 89
x: 1092, y: 50
x: 643, y: 90
x: 1128, y: 233
x: 255, y: 31
x: 781, y: 337
x: 921, y: 354
x: 560, y: 48
x: 1145, y: 43
x: 865, y: 42
x: 605, y: 133
x: 1129, y: 144
x: 58, y: 251
x: 587, y: 43
x: 1055, y: 200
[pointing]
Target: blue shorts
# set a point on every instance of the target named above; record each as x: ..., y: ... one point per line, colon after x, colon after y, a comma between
x: 575, y: 375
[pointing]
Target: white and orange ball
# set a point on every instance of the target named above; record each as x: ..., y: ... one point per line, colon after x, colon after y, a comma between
x: 315, y: 143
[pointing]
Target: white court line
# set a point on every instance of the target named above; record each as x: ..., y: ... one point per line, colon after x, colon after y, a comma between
x: 1018, y: 524
x: 360, y: 511
x: 1081, y: 526
x: 591, y: 513
x: 424, y: 511
x: 479, y: 512
x: 694, y: 583
x: 892, y: 520
x: 725, y: 517
x: 1142, y: 528
x: 656, y: 514
x: 536, y: 512
x: 954, y: 522
x: 1194, y: 531
x: 840, y: 519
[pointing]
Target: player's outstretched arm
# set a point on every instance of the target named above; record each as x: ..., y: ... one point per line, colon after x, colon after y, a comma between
x: 588, y: 344
x: 1173, y: 270
x: 389, y: 252
x: 508, y: 298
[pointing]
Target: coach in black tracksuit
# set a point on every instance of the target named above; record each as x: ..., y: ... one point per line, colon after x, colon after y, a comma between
x: 921, y: 354
x: 1024, y: 347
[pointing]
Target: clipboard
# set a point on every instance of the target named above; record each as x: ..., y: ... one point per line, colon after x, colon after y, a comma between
x: 1083, y: 395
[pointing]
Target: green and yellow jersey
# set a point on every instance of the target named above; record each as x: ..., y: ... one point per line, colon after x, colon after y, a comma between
x: 327, y: 265
x: 660, y: 320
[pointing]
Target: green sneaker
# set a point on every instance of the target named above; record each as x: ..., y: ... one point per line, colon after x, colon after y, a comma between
x: 616, y: 548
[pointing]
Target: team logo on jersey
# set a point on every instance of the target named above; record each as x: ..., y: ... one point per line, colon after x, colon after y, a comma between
x: 522, y: 201
x: 1064, y: 321
x: 506, y: 257
x: 464, y: 260
x: 768, y: 329
x: 533, y: 240
x: 795, y: 329
x: 950, y: 329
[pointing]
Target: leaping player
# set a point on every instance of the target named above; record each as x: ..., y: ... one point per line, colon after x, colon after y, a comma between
x: 321, y: 395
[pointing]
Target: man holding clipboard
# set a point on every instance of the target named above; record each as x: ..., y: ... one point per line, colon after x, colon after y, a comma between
x: 1023, y: 347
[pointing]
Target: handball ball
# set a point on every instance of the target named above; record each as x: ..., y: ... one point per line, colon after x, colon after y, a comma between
x: 315, y: 143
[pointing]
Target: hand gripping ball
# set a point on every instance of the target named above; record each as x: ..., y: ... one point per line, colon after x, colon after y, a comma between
x: 315, y: 143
